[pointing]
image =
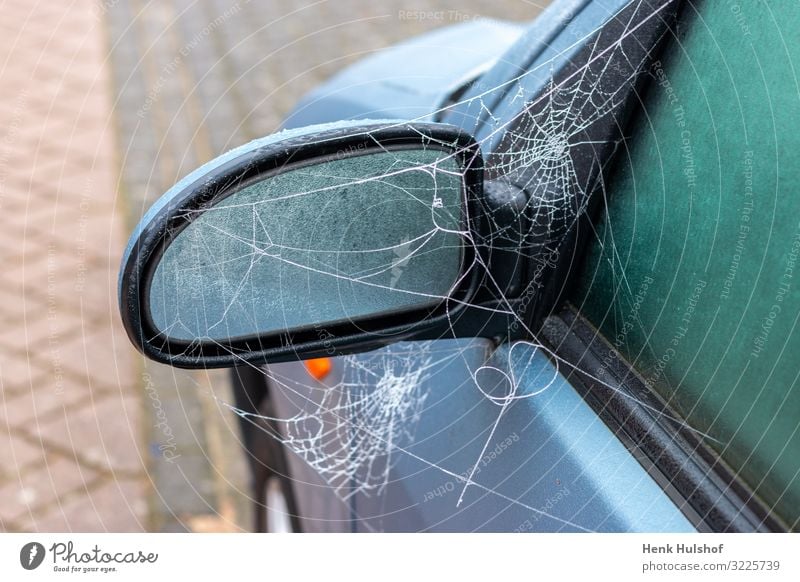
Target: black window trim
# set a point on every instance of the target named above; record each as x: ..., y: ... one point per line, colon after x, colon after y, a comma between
x: 705, y: 488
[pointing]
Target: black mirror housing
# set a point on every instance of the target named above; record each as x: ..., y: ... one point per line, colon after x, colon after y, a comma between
x: 206, y: 190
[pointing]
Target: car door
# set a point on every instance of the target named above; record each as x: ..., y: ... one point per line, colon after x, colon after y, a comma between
x: 658, y: 392
x: 691, y: 279
x: 418, y: 424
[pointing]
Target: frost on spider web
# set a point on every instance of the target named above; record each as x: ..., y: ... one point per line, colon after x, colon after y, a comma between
x: 350, y: 437
x: 355, y: 432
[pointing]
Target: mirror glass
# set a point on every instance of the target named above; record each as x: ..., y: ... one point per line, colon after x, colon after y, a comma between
x: 319, y: 243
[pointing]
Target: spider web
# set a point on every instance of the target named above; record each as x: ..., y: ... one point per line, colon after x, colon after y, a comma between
x: 382, y: 399
x: 353, y: 432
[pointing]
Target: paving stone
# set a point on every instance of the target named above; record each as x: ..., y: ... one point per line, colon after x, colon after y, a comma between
x: 67, y: 372
x: 106, y: 432
x: 185, y: 486
x: 48, y: 396
x: 114, y: 506
x: 83, y: 288
x: 42, y: 487
x: 17, y: 454
x: 18, y: 373
x: 99, y: 357
x: 35, y: 325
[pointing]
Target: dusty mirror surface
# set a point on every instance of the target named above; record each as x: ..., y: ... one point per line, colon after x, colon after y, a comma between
x: 325, y: 242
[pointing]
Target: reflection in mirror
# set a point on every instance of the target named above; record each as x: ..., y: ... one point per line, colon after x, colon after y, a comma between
x: 327, y: 242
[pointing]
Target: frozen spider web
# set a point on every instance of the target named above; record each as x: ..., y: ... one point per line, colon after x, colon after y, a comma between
x: 381, y: 398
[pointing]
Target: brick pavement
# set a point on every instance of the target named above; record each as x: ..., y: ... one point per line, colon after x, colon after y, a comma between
x: 70, y: 412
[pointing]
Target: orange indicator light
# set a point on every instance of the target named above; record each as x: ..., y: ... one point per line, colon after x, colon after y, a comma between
x: 319, y: 367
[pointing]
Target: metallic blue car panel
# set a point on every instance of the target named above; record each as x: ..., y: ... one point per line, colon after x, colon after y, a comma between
x: 551, y: 464
x: 410, y: 80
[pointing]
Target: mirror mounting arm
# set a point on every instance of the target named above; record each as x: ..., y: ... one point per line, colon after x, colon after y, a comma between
x: 504, y: 207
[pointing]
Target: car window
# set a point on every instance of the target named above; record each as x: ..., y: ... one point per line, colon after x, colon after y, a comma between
x: 693, y: 274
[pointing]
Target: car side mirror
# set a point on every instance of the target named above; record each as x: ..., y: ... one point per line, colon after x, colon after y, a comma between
x: 318, y: 241
x: 340, y: 238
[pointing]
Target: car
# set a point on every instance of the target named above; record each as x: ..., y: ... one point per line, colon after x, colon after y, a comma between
x: 505, y: 278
